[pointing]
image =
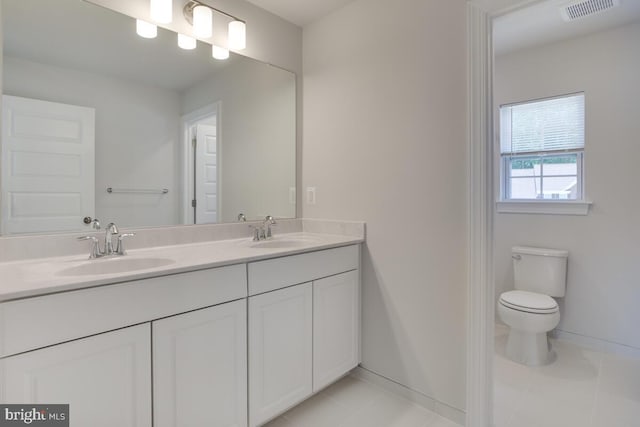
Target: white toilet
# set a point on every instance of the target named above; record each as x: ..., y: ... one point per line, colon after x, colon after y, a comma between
x: 529, y: 311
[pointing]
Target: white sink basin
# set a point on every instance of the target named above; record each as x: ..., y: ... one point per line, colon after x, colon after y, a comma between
x: 284, y: 242
x: 114, y: 265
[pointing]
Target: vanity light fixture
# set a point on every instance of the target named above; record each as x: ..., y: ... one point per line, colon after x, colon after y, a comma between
x: 146, y: 29
x: 219, y: 52
x: 202, y: 22
x: 237, y: 35
x: 186, y: 42
x: 200, y: 16
x: 161, y: 11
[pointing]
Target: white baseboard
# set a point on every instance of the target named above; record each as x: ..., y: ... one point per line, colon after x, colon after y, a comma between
x: 595, y: 343
x: 454, y: 414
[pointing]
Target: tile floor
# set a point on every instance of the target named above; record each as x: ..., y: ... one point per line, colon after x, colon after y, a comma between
x: 582, y: 388
x: 352, y: 402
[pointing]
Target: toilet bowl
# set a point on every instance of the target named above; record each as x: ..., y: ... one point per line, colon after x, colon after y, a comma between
x: 530, y: 311
x: 529, y: 316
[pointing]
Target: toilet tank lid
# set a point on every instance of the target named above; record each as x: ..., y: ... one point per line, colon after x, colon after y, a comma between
x: 526, y: 250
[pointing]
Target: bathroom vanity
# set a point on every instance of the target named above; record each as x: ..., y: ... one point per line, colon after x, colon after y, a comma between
x: 222, y: 333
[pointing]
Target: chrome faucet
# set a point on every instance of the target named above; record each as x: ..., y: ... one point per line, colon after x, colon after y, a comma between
x: 263, y: 231
x: 110, y: 231
x: 267, y: 224
x: 108, y: 238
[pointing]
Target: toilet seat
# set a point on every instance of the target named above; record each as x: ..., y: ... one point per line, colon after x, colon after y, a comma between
x: 529, y: 302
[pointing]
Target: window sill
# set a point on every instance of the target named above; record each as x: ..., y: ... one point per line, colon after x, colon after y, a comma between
x: 551, y: 207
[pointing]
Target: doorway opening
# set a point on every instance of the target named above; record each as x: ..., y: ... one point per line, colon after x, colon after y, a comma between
x: 201, y: 161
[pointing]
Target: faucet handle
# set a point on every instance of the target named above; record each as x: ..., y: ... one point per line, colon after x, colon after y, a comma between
x: 95, y: 246
x: 257, y: 232
x: 120, y: 248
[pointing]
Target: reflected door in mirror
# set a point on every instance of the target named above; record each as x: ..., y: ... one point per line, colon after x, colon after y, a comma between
x: 47, y: 166
x: 206, y: 176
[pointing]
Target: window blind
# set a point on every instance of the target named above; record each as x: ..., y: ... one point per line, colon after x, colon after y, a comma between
x: 550, y: 125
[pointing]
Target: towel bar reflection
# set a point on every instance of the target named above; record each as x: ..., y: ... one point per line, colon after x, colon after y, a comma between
x: 111, y: 190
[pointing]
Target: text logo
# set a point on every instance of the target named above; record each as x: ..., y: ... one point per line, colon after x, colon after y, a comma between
x: 34, y: 415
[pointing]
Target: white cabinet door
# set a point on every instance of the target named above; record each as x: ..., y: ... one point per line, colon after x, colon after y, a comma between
x: 106, y: 379
x: 200, y: 368
x: 280, y: 351
x: 336, y: 327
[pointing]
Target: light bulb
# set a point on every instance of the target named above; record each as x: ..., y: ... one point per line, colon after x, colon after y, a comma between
x: 186, y: 42
x: 237, y: 35
x: 202, y: 22
x: 161, y: 11
x: 145, y: 29
x: 219, y: 52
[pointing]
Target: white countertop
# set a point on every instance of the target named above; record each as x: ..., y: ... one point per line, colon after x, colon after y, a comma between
x: 22, y: 279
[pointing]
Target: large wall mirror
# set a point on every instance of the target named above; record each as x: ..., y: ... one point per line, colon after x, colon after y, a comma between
x: 98, y: 122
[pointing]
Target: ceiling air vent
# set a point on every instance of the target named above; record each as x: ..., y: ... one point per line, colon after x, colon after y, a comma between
x: 583, y: 8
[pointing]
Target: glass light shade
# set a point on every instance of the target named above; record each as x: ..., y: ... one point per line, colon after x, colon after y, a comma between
x: 219, y: 52
x: 186, y: 42
x: 202, y: 22
x: 161, y: 11
x: 145, y: 29
x: 237, y: 35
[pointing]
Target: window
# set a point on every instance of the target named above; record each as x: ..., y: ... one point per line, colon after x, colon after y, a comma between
x: 542, y: 149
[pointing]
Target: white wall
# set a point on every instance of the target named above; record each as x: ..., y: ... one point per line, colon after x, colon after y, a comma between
x: 603, y: 289
x: 384, y: 142
x: 257, y: 137
x: 128, y: 155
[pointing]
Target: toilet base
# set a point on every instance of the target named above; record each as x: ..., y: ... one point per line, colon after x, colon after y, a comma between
x: 529, y: 348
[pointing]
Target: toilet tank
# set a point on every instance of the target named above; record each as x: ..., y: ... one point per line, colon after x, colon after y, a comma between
x: 540, y: 270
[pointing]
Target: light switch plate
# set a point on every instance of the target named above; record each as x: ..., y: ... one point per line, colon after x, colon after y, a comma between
x: 311, y: 195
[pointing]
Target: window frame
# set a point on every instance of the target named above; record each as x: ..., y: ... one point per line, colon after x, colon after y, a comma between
x: 578, y: 206
x: 506, y: 177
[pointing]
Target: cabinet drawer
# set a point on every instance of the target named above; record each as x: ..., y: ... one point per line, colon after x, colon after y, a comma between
x: 37, y: 322
x: 271, y: 274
